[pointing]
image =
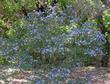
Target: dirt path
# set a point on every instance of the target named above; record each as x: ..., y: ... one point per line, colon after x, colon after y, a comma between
x: 96, y: 75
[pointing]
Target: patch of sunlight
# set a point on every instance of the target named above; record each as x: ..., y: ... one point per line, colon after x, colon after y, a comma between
x: 108, y: 75
x: 107, y: 82
x: 11, y: 70
x: 18, y: 80
x: 2, y: 82
x: 90, y: 68
x: 10, y: 78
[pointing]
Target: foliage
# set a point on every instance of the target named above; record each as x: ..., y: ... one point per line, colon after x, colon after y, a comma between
x: 53, y: 36
x: 48, y: 40
x: 107, y: 23
x: 67, y: 34
x: 2, y: 60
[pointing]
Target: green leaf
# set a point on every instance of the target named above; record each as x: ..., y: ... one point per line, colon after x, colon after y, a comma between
x: 10, y: 33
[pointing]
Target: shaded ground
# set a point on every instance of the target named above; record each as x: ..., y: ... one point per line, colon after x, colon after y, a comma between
x: 95, y: 75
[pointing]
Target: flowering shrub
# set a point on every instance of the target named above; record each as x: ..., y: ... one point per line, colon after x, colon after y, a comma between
x: 51, y: 38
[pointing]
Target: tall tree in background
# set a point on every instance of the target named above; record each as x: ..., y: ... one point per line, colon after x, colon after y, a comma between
x: 100, y: 23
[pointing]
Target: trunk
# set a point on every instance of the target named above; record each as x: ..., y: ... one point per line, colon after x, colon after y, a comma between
x: 103, y: 29
x: 54, y: 2
x: 40, y: 4
x: 23, y: 9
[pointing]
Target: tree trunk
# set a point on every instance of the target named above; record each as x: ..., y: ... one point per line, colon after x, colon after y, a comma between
x: 103, y: 29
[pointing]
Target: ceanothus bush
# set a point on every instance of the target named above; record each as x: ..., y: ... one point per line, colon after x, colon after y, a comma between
x: 50, y: 37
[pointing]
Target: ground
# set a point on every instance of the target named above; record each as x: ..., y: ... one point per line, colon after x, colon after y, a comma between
x: 16, y: 76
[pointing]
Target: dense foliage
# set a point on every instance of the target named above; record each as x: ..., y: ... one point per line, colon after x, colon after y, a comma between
x: 59, y: 32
